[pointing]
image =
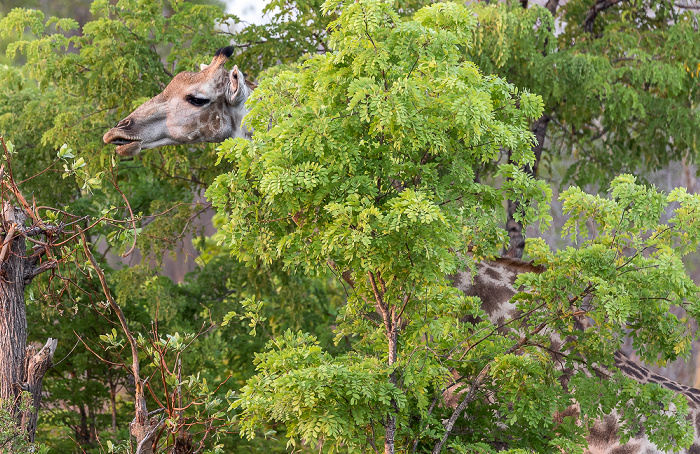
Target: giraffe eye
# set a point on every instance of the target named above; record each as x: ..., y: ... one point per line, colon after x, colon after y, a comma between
x: 195, y: 101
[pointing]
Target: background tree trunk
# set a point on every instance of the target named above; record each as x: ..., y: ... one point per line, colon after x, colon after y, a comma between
x: 516, y: 245
x: 21, y: 367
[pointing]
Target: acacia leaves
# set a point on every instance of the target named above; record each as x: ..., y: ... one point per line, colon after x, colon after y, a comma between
x: 629, y: 265
x: 320, y: 399
x: 394, y: 122
x: 368, y: 161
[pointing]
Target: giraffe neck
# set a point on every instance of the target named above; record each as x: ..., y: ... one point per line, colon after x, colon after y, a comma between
x: 494, y: 284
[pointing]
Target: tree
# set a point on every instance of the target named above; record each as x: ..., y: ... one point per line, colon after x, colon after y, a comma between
x: 619, y: 81
x: 85, y: 395
x: 365, y: 161
x: 22, y: 368
x: 376, y: 185
x: 48, y: 113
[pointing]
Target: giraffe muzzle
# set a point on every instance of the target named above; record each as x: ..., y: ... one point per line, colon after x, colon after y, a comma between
x: 126, y: 146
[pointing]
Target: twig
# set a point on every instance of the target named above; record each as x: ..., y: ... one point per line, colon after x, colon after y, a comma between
x: 64, y: 358
x: 94, y: 353
x: 9, y: 439
x: 140, y: 401
x: 133, y: 221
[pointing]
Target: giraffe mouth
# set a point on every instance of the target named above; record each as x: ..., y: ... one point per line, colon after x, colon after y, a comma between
x: 125, y: 146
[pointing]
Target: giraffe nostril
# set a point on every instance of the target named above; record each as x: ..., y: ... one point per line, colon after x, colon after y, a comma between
x: 125, y: 123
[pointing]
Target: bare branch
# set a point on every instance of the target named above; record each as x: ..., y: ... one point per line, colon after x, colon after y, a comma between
x: 141, y: 412
x: 30, y: 274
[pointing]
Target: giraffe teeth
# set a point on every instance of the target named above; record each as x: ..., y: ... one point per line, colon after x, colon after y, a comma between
x: 120, y: 139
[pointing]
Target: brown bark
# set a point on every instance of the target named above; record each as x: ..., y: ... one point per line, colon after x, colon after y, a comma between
x: 391, y: 329
x: 39, y: 363
x: 21, y: 367
x: 183, y: 440
x: 82, y: 431
x: 113, y: 403
x: 449, y: 425
x: 552, y: 6
x: 598, y: 7
x: 392, y: 337
x: 183, y: 444
x: 145, y: 434
x: 516, y: 245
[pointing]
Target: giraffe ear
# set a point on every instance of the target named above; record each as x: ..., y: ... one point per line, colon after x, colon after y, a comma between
x: 203, y: 66
x: 236, y: 78
x: 240, y: 88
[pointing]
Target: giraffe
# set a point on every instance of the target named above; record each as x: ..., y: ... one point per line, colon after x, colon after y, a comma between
x: 209, y: 106
x: 195, y: 107
x: 494, y: 284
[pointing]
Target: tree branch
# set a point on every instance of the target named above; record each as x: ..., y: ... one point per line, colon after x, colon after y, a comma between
x: 33, y: 272
x: 552, y: 6
x: 477, y: 382
x: 141, y: 412
x: 600, y: 6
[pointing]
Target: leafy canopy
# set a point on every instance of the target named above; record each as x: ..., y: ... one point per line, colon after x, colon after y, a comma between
x: 619, y: 84
x: 369, y: 161
x: 365, y: 160
x: 376, y: 147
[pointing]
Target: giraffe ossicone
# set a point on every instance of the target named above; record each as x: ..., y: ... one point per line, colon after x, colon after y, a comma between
x: 195, y: 107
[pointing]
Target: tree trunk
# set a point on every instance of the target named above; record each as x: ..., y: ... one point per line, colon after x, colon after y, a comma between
x: 392, y: 335
x: 183, y: 444
x: 145, y: 433
x: 21, y: 367
x: 516, y: 245
x: 82, y: 432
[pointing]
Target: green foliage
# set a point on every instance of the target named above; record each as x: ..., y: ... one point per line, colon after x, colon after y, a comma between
x: 620, y: 98
x: 365, y: 160
x: 82, y: 391
x: 367, y: 143
x: 295, y: 29
x: 12, y: 434
x: 623, y: 247
x: 663, y: 410
x: 317, y: 396
x: 57, y: 107
x: 376, y: 145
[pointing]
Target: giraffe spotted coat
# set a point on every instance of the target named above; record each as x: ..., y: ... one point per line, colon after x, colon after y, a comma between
x: 494, y: 284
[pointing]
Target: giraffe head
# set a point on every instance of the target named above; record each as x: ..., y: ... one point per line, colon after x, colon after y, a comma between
x: 195, y: 107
